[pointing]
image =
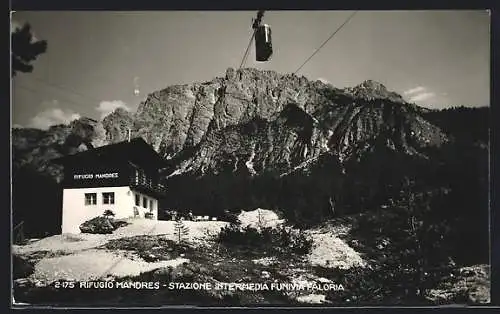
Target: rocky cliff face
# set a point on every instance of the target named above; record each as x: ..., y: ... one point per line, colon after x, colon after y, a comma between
x: 261, y: 120
x: 251, y: 121
x: 35, y: 148
x: 262, y: 139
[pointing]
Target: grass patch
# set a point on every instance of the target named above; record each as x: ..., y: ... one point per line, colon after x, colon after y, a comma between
x: 150, y: 248
x: 202, y: 268
x: 252, y: 242
x: 206, y: 264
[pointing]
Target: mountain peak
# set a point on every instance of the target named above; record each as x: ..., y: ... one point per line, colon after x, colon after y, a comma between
x: 371, y: 85
x: 371, y: 89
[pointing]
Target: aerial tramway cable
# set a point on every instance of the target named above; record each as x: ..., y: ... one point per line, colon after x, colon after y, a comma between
x: 245, y: 56
x: 326, y: 41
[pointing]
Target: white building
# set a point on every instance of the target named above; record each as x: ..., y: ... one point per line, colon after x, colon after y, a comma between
x: 122, y: 177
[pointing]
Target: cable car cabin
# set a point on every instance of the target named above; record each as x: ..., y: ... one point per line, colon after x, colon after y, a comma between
x: 263, y: 43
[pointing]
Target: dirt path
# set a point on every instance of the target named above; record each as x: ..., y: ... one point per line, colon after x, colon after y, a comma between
x: 95, y: 264
x: 69, y: 243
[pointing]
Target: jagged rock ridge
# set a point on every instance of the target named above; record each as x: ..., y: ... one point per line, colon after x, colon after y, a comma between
x: 371, y: 90
x: 261, y: 139
x: 296, y: 120
x: 253, y: 121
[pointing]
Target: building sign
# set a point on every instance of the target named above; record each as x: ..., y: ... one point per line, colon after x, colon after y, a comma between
x: 95, y: 176
x: 91, y: 178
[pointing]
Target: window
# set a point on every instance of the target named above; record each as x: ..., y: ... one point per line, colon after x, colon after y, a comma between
x: 144, y: 202
x: 151, y: 204
x: 137, y: 200
x: 90, y: 198
x: 108, y: 197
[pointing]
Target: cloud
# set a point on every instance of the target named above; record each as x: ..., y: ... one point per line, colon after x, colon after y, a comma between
x: 411, y: 91
x: 106, y: 107
x: 17, y: 126
x: 418, y: 94
x: 52, y: 116
x: 422, y: 97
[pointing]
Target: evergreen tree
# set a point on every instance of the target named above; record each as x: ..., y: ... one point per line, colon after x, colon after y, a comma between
x: 25, y: 49
x: 425, y: 249
x: 181, y: 231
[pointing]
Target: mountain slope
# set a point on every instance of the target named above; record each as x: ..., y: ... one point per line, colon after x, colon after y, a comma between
x: 295, y: 120
x: 234, y: 134
x: 413, y: 182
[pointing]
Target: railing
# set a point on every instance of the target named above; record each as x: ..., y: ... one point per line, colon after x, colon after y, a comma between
x: 157, y: 188
x: 161, y: 188
x: 18, y: 233
x: 141, y: 180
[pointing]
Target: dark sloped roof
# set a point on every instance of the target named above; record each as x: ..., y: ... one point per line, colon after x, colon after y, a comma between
x: 137, y: 150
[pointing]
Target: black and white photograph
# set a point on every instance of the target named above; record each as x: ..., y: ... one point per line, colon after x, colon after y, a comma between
x: 258, y: 158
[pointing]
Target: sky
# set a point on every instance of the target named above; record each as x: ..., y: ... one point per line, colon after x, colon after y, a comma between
x: 99, y: 61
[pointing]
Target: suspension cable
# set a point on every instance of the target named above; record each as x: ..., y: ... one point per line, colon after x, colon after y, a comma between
x: 324, y: 43
x: 245, y: 56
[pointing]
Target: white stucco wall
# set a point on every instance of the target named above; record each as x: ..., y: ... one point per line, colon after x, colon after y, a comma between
x: 143, y: 210
x: 75, y: 212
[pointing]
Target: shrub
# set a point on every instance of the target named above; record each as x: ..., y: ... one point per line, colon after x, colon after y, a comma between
x: 296, y: 240
x: 108, y: 213
x: 271, y: 240
x: 97, y: 225
x: 22, y: 268
x: 230, y: 217
x: 101, y: 225
x: 409, y: 244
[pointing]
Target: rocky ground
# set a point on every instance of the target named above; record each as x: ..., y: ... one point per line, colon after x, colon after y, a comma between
x: 147, y: 248
x: 147, y: 251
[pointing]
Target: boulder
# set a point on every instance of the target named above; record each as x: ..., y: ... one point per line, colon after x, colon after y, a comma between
x: 98, y: 225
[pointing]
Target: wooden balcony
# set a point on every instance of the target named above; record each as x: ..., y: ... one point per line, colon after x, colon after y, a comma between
x: 148, y: 187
